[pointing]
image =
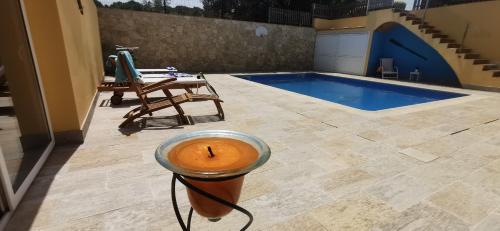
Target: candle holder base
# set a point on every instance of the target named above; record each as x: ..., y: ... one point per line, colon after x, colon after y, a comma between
x: 214, y: 219
x: 187, y: 226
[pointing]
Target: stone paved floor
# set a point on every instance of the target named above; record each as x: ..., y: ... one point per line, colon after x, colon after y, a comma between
x: 427, y: 167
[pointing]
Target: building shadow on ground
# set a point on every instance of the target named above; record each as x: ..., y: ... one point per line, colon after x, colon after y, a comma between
x: 26, y: 212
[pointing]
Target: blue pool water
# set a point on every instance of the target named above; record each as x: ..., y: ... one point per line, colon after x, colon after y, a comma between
x: 365, y: 95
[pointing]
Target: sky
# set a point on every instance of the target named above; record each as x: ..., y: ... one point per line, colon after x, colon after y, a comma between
x: 192, y: 3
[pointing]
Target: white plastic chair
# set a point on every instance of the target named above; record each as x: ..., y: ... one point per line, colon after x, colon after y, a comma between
x: 388, y: 69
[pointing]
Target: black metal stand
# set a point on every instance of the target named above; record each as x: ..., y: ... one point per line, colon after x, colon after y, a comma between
x: 207, y: 195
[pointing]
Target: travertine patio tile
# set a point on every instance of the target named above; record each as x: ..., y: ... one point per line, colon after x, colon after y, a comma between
x: 152, y: 215
x: 486, y: 178
x: 294, y: 174
x: 345, y: 182
x: 490, y: 223
x: 481, y: 150
x: 95, y: 222
x: 345, y: 141
x: 413, y: 138
x: 494, y: 140
x: 423, y: 217
x: 447, y: 170
x: 301, y: 222
x: 402, y: 191
x: 70, y: 183
x: 39, y: 214
x: 256, y: 186
x: 373, y: 135
x: 447, y: 145
x: 285, y: 203
x: 385, y: 161
x: 494, y: 165
x: 359, y: 212
x: 331, y: 168
x: 473, y: 204
x: 87, y: 204
x: 419, y: 155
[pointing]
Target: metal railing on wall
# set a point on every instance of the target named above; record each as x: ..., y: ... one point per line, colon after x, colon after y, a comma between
x: 289, y: 17
x: 422, y: 4
x: 285, y: 12
x: 380, y: 4
x: 339, y: 11
x: 349, y: 10
x: 420, y: 8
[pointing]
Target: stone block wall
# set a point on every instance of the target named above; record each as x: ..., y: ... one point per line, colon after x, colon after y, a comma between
x: 194, y: 44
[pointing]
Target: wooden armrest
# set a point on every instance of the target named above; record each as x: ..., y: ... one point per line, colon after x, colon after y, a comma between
x: 154, y: 85
x: 165, y: 85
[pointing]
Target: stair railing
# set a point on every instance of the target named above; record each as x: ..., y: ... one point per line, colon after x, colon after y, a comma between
x: 466, y: 31
x: 425, y: 10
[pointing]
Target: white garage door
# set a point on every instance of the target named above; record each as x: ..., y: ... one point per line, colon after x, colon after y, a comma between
x: 341, y: 52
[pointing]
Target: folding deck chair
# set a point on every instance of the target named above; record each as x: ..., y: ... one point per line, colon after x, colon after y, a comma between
x: 148, y: 107
x: 120, y: 83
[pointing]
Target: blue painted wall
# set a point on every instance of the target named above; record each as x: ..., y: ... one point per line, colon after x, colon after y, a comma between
x: 434, y: 69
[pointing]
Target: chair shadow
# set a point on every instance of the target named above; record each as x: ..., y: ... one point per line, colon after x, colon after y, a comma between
x: 127, y: 102
x: 166, y: 123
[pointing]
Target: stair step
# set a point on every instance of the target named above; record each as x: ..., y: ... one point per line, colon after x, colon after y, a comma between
x: 491, y: 67
x: 425, y: 26
x: 480, y: 61
x: 408, y: 14
x: 447, y: 40
x: 438, y: 35
x: 416, y: 21
x: 401, y: 14
x: 411, y: 17
x: 471, y: 56
x: 453, y: 45
x: 463, y: 51
x: 432, y: 31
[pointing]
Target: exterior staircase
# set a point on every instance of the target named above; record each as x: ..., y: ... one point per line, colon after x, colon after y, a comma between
x: 472, y: 70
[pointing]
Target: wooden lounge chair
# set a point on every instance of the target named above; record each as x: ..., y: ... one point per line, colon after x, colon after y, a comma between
x: 148, y: 107
x: 118, y: 89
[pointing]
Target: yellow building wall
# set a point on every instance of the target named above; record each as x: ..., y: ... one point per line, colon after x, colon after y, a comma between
x: 68, y: 51
x: 325, y: 24
x: 83, y: 49
x: 47, y: 39
x: 482, y: 38
x: 483, y: 18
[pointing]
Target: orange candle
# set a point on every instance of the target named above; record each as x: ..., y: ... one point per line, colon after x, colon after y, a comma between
x: 209, y: 156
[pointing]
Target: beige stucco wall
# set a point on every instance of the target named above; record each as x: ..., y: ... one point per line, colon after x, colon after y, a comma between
x: 484, y: 30
x: 195, y: 44
x: 68, y: 51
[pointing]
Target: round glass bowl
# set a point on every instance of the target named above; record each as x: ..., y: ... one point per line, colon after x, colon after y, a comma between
x: 260, y: 146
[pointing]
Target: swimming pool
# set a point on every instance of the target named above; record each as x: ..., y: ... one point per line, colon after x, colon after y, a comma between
x: 364, y: 95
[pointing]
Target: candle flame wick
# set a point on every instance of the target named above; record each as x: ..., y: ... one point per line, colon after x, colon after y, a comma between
x: 210, y: 152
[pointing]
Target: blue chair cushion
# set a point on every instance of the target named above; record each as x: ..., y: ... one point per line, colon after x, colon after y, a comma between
x: 120, y: 76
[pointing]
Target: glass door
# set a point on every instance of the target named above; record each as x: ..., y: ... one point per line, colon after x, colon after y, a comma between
x: 26, y: 138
